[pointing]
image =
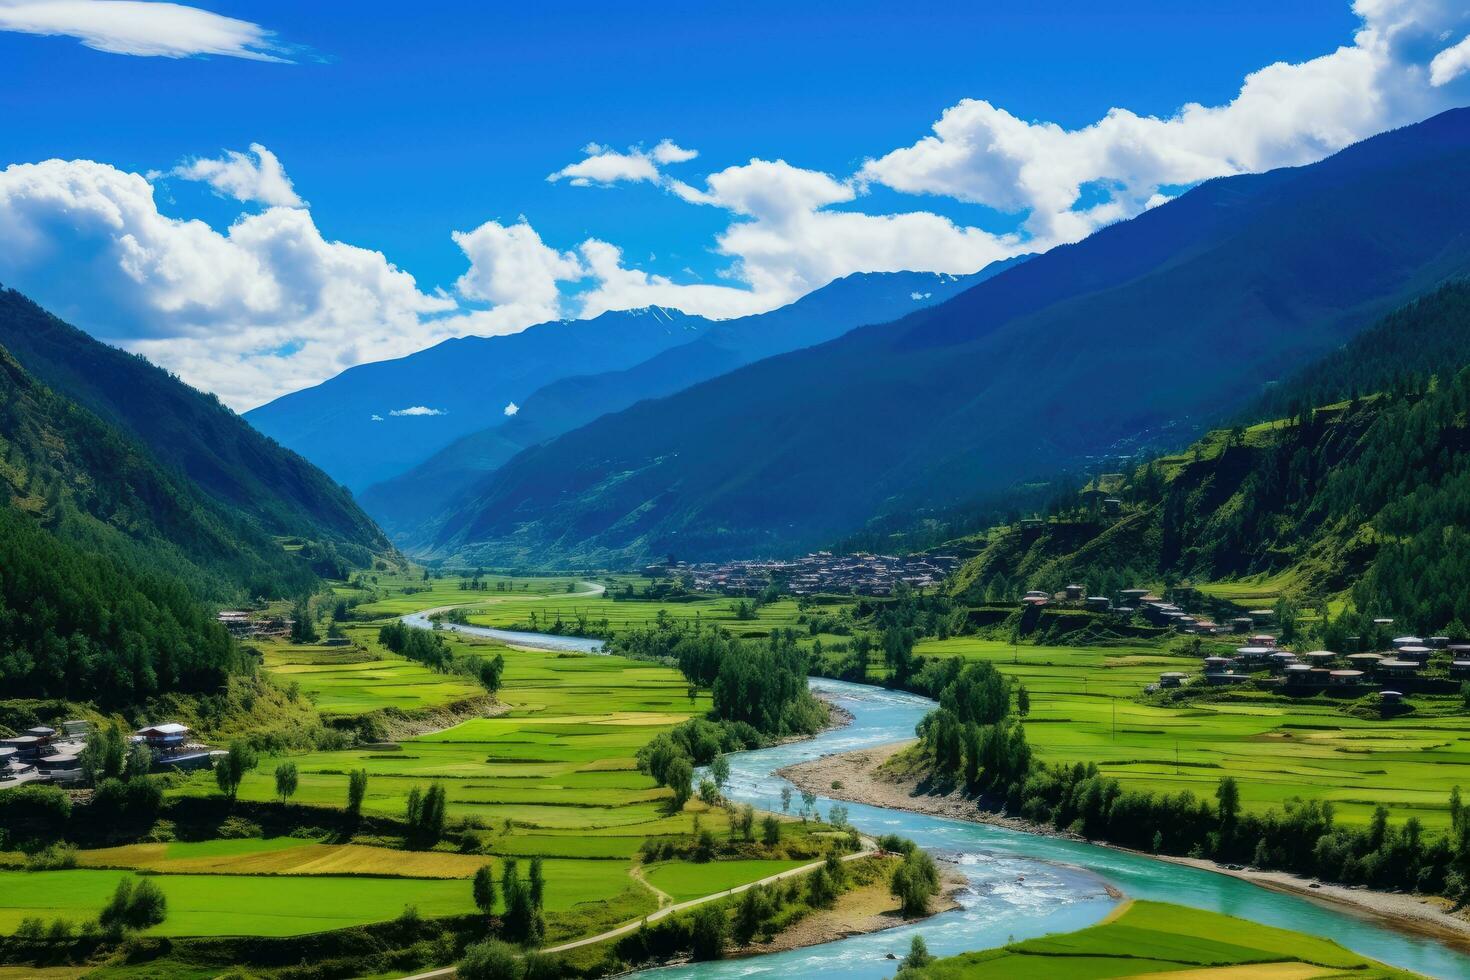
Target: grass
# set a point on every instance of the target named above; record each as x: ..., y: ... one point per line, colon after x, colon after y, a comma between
x: 1154, y: 937
x: 683, y: 880
x: 363, y: 677
x: 1083, y: 709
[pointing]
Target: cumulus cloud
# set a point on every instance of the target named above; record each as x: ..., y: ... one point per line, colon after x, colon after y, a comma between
x: 1284, y: 115
x: 512, y: 409
x: 259, y: 178
x: 140, y: 27
x: 266, y: 306
x: 416, y: 411
x: 604, y: 166
x: 1450, y: 64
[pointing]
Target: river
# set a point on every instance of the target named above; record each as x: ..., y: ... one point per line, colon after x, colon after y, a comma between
x: 1019, y: 885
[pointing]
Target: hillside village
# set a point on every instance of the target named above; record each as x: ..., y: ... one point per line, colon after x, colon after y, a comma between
x: 821, y: 571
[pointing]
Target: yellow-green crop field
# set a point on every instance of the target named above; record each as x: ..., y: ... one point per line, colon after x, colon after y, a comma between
x: 1153, y: 938
x: 1083, y: 710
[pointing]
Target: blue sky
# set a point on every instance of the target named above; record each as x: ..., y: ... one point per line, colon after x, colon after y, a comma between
x: 398, y: 126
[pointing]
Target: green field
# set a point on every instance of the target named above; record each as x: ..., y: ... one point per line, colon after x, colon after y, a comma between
x: 683, y: 880
x: 1153, y: 937
x: 233, y: 905
x: 1083, y: 710
x: 363, y: 677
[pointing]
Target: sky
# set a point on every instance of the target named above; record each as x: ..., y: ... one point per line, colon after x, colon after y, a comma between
x: 258, y: 196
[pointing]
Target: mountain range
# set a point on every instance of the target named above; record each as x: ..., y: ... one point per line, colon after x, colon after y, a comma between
x: 409, y: 506
x: 1186, y: 312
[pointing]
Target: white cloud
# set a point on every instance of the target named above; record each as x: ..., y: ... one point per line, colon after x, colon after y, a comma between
x: 236, y: 175
x: 417, y: 411
x: 604, y: 166
x: 270, y: 304
x: 136, y: 27
x: 1450, y: 64
x: 1284, y: 115
x: 512, y: 409
x: 376, y: 417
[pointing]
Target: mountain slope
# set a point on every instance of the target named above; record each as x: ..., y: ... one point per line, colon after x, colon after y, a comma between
x: 347, y: 425
x: 407, y: 503
x: 187, y: 430
x: 1366, y: 496
x: 1185, y: 311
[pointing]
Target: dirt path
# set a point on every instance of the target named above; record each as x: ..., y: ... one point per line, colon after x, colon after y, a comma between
x: 636, y: 873
x: 667, y: 910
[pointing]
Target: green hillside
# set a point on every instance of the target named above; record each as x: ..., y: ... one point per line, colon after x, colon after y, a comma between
x: 105, y: 558
x: 189, y: 431
x: 1365, y: 498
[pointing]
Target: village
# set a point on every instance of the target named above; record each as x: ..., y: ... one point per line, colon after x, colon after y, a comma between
x: 821, y: 571
x: 49, y: 755
x: 1432, y: 664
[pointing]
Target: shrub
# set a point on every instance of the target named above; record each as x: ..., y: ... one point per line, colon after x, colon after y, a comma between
x: 490, y: 960
x: 710, y: 932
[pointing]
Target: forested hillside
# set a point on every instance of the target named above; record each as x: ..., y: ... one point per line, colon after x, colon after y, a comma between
x: 107, y: 561
x: 1184, y: 313
x: 190, y: 431
x: 1367, y: 496
x: 410, y: 506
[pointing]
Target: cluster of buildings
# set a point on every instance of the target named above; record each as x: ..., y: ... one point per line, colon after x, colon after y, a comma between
x: 822, y: 571
x: 1318, y: 669
x: 245, y: 625
x: 43, y: 754
x: 1155, y: 609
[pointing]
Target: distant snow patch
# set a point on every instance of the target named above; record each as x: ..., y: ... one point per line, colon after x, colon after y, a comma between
x: 511, y: 408
x: 417, y: 410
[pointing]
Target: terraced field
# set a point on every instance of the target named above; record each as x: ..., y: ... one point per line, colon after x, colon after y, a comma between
x: 1082, y: 710
x: 1156, y: 938
x: 364, y: 677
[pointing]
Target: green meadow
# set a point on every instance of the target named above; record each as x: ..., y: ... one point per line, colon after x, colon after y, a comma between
x: 683, y: 880
x: 1083, y: 709
x: 361, y: 678
x: 1154, y: 937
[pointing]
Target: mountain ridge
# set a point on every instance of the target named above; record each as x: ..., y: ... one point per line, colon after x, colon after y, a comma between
x: 1205, y: 298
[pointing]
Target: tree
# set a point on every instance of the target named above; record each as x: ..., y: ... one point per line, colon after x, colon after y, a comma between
x: 719, y: 770
x: 133, y: 906
x: 286, y: 780
x: 483, y: 889
x: 303, y: 629
x: 536, y: 878
x: 1023, y: 708
x: 770, y: 831
x: 231, y: 769
x: 104, y: 756
x: 914, y: 882
x: 785, y: 799
x: 1227, y: 795
x: 918, y: 954
x: 680, y: 775
x: 140, y: 760
x: 356, y: 790
x: 710, y: 933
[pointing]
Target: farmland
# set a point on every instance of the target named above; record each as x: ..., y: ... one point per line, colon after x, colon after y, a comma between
x: 1156, y: 938
x: 1084, y: 709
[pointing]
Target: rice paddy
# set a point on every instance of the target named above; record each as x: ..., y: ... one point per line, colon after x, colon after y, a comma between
x: 1083, y: 710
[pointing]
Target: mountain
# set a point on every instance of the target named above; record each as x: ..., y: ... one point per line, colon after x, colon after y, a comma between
x: 1366, y: 494
x: 110, y: 560
x: 361, y: 426
x: 408, y: 504
x: 1184, y: 312
x: 186, y: 430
